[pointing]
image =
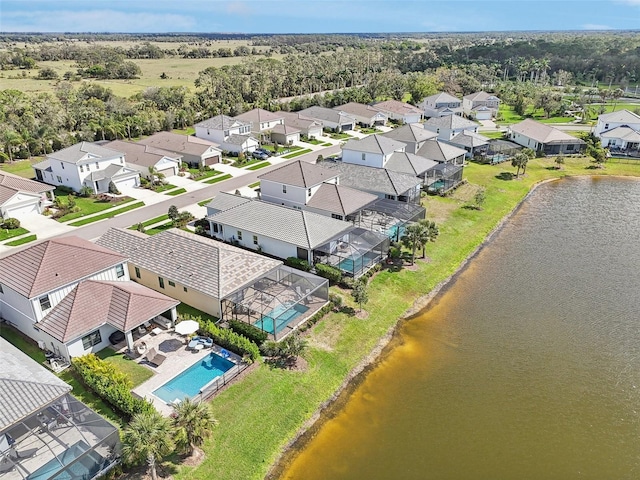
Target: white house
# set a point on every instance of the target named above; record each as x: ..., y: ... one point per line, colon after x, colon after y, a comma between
x: 622, y: 138
x: 449, y: 126
x: 365, y: 115
x: 442, y: 152
x: 70, y: 295
x: 21, y: 196
x: 194, y: 151
x: 412, y: 134
x: 621, y: 118
x: 143, y: 157
x: 480, y: 105
x: 332, y: 119
x: 261, y: 120
x: 87, y: 164
x: 229, y: 133
x: 399, y: 111
x: 372, y: 151
x: 308, y: 127
x: 544, y: 138
x: 285, y: 134
x: 473, y: 143
x: 440, y: 105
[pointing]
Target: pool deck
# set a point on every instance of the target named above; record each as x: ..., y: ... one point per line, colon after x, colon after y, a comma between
x: 174, y: 347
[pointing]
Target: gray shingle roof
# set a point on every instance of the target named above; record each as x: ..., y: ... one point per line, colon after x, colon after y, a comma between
x: 621, y: 116
x: 177, y: 143
x: 258, y: 115
x: 299, y: 121
x: 297, y: 227
x: 395, y: 106
x: 285, y: 129
x: 374, y: 144
x: 112, y: 171
x: 372, y: 179
x: 409, y: 163
x: 451, y: 122
x: 237, y: 139
x: 340, y: 199
x: 25, y: 386
x: 442, y: 97
x: 141, y: 154
x: 299, y: 174
x: 439, y: 151
x: 200, y: 263
x: 625, y: 133
x: 11, y: 184
x: 469, y: 139
x: 79, y: 151
x: 410, y: 133
x: 327, y: 114
x: 359, y: 109
x: 221, y: 122
x: 543, y: 133
x: 479, y: 96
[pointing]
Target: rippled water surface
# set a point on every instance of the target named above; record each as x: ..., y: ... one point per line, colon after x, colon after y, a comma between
x: 527, y: 367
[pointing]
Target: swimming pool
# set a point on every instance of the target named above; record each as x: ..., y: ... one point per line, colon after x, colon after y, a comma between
x: 85, y: 467
x: 393, y: 233
x: 357, y: 264
x: 190, y: 382
x: 282, y: 315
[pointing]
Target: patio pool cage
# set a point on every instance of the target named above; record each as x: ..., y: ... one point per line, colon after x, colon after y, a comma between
x: 500, y: 151
x: 388, y: 217
x: 278, y: 302
x: 64, y: 440
x: 443, y: 177
x: 355, y: 252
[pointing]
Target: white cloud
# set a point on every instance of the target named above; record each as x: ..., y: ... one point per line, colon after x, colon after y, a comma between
x: 595, y: 26
x: 239, y: 8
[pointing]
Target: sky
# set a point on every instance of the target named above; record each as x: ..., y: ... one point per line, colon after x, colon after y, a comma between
x: 315, y: 16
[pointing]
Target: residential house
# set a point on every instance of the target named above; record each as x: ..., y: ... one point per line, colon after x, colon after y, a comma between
x: 262, y: 121
x: 230, y: 134
x: 372, y: 151
x: 442, y: 152
x: 331, y: 119
x: 410, y: 163
x: 621, y: 118
x: 480, y: 105
x: 412, y: 134
x: 474, y: 143
x: 196, y: 152
x: 621, y: 138
x: 449, y: 126
x: 87, y: 164
x: 143, y: 158
x: 308, y: 127
x: 399, y: 111
x: 45, y: 432
x: 440, y: 105
x: 21, y: 196
x: 70, y: 295
x: 544, y: 138
x: 285, y: 134
x: 365, y: 115
x: 222, y: 280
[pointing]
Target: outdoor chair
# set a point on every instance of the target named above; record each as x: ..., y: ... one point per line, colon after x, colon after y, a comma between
x: 155, y: 358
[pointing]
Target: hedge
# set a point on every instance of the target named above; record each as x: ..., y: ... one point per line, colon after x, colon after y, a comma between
x: 298, y: 263
x: 333, y: 274
x: 254, y: 334
x: 110, y: 384
x: 230, y: 340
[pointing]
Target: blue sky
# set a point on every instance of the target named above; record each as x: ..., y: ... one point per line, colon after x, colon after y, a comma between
x: 315, y: 16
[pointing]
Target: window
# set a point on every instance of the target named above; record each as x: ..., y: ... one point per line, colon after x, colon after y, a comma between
x: 45, y: 303
x: 255, y: 239
x: 606, y: 126
x: 137, y: 272
x: 336, y: 216
x: 172, y: 284
x: 215, y: 228
x: 122, y: 160
x: 1, y: 291
x: 120, y: 271
x: 226, y: 133
x: 309, y: 192
x: 92, y: 339
x: 184, y: 288
x: 97, y: 166
x: 364, y: 157
x: 59, y: 178
x: 284, y: 189
x: 62, y: 165
x: 570, y: 147
x: 161, y: 282
x: 81, y: 168
x: 239, y: 235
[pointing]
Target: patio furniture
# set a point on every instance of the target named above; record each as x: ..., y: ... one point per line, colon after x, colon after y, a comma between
x: 155, y: 358
x: 156, y: 331
x: 198, y: 347
x: 204, y: 342
x: 6, y: 466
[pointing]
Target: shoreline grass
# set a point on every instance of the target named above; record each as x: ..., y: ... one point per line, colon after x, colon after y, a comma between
x: 261, y: 414
x: 110, y: 214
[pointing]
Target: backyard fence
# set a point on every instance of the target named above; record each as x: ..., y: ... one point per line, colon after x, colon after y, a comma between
x: 211, y: 388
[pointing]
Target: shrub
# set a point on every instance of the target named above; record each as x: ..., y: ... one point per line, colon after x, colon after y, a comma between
x: 333, y: 274
x: 347, y: 282
x: 64, y: 190
x: 11, y: 223
x: 230, y: 340
x: 298, y: 263
x: 113, y: 189
x: 110, y: 384
x: 85, y: 191
x: 254, y: 334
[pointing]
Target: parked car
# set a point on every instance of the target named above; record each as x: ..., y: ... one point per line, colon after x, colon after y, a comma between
x: 265, y: 151
x: 259, y: 155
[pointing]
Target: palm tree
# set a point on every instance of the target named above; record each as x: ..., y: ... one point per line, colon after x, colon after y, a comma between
x: 431, y: 233
x: 414, y: 236
x: 193, y: 422
x: 149, y: 437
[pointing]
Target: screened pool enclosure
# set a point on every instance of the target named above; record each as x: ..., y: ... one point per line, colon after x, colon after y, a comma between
x: 443, y: 177
x: 278, y: 302
x: 388, y: 217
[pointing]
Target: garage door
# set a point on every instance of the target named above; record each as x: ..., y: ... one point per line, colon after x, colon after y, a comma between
x: 168, y: 172
x: 16, y: 212
x: 212, y: 160
x: 130, y: 182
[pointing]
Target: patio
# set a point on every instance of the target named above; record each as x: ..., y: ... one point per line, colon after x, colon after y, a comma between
x: 388, y: 217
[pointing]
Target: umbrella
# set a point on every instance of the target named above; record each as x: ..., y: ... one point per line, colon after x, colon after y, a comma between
x: 187, y: 327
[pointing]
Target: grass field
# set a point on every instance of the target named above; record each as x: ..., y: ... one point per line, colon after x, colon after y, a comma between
x: 254, y: 184
x: 219, y: 178
x: 6, y: 234
x: 110, y: 214
x: 22, y: 241
x: 258, y: 166
x: 204, y: 202
x: 22, y: 168
x: 89, y: 205
x: 179, y: 191
x: 297, y: 153
x: 136, y: 373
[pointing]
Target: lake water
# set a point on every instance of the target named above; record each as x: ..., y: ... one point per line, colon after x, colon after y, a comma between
x: 526, y: 367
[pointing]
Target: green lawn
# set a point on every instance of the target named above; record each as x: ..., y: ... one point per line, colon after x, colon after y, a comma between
x: 258, y: 166
x: 340, y: 136
x: 298, y: 153
x: 159, y: 228
x: 184, y: 309
x: 5, y: 234
x: 327, y: 144
x: 312, y: 141
x: 176, y: 192
x: 136, y: 373
x: 185, y: 131
x: 197, y: 175
x: 219, y: 179
x: 21, y: 168
x: 22, y: 241
x: 152, y: 221
x: 204, y: 202
x: 89, y: 205
x: 492, y: 134
x: 110, y: 214
x: 260, y: 414
x: 254, y: 184
x: 163, y: 188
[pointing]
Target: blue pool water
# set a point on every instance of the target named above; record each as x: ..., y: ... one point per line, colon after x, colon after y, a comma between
x: 189, y: 382
x: 393, y: 231
x: 357, y: 264
x: 86, y: 467
x: 281, y: 316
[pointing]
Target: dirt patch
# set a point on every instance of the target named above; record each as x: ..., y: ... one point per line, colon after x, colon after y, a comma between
x: 362, y: 314
x: 195, y: 459
x: 328, y: 337
x: 466, y: 192
x: 141, y: 472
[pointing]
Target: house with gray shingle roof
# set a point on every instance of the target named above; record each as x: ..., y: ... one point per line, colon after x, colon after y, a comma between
x: 332, y: 119
x: 195, y: 151
x: 544, y: 138
x: 449, y: 126
x: 87, y: 164
x: 480, y: 105
x: 42, y: 425
x: 261, y: 120
x: 143, y: 157
x: 285, y: 134
x: 21, y: 196
x: 365, y: 115
x: 231, y: 134
x: 308, y: 126
x: 440, y: 105
x: 71, y: 295
x: 371, y: 151
x: 412, y: 134
x: 399, y: 111
x: 411, y: 164
x: 473, y: 143
x: 619, y: 130
x: 442, y: 152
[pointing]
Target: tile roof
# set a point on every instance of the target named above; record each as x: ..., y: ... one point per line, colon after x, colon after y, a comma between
x: 621, y: 116
x: 327, y: 114
x: 54, y: 263
x: 297, y: 227
x: 299, y: 174
x: 409, y: 163
x: 394, y: 106
x: 221, y: 122
x: 340, y: 199
x: 469, y: 139
x: 359, y: 109
x: 372, y: 179
x: 92, y: 303
x: 258, y: 115
x: 174, y: 142
x: 543, y: 133
x: 141, y: 154
x: 374, y: 144
x: 442, y: 97
x: 439, y: 151
x: 225, y: 202
x: 83, y: 150
x: 625, y: 133
x: 203, y: 264
x: 11, y: 184
x: 410, y: 133
x: 25, y: 385
x: 451, y: 122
